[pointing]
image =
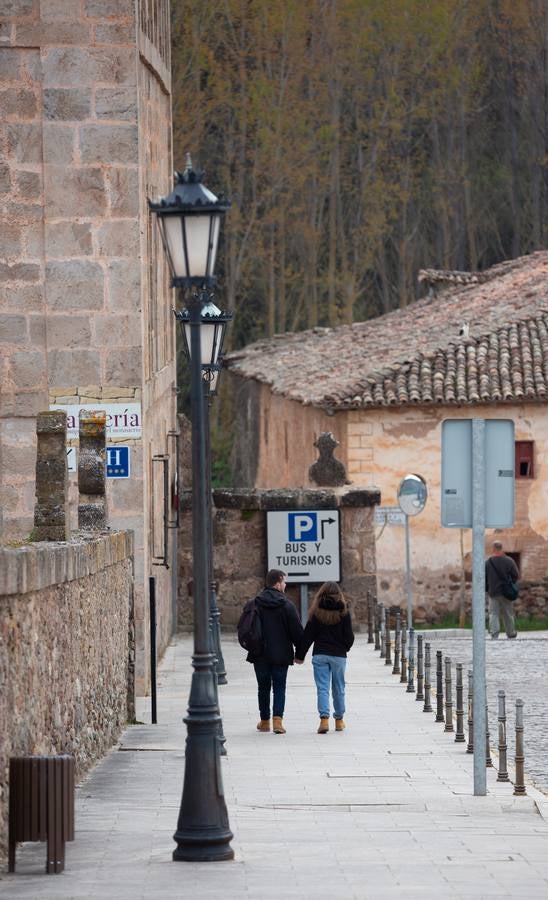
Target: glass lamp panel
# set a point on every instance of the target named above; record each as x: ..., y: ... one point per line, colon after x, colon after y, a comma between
x: 215, y: 228
x: 197, y: 240
x: 186, y: 328
x: 173, y: 240
x: 207, y: 342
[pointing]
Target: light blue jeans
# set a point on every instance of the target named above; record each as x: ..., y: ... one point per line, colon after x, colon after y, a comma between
x: 329, y: 672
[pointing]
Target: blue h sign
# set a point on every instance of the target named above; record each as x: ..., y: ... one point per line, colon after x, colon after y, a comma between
x: 117, y: 462
x: 302, y: 526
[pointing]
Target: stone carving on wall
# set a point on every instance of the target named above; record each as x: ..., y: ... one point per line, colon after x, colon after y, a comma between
x: 327, y: 471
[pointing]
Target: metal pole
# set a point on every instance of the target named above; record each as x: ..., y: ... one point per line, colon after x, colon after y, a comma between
x: 403, y: 676
x: 214, y: 613
x: 478, y: 605
x: 376, y: 626
x: 369, y: 618
x: 303, y: 592
x: 420, y: 668
x: 427, y: 679
x: 408, y: 585
x: 203, y: 832
x: 488, y: 760
x: 397, y: 644
x: 152, y: 603
x: 503, y: 746
x: 388, y: 645
x: 470, y: 746
x: 459, y: 734
x: 439, y: 687
x: 411, y: 662
x: 448, y: 696
x: 519, y: 784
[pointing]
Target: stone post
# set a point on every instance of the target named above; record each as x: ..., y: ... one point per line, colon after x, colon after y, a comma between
x: 92, y: 505
x: 51, y: 508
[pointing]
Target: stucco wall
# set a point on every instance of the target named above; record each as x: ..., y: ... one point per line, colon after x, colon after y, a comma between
x: 240, y: 546
x: 379, y: 447
x: 66, y: 650
x: 387, y: 444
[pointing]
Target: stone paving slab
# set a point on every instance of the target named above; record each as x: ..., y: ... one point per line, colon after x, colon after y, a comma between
x: 382, y: 810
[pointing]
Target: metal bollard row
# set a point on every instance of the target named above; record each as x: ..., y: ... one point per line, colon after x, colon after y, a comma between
x: 404, y: 665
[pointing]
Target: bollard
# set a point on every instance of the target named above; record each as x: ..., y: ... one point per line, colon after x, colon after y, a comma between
x: 488, y: 760
x: 387, y: 643
x: 420, y: 668
x: 427, y: 682
x: 470, y: 747
x: 503, y: 747
x: 448, y: 696
x: 439, y: 687
x: 459, y: 734
x: 403, y: 676
x: 383, y: 630
x: 369, y: 619
x: 519, y: 784
x: 397, y: 644
x: 411, y: 662
x: 376, y: 626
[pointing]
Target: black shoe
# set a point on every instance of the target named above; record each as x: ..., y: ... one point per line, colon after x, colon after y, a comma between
x: 512, y: 636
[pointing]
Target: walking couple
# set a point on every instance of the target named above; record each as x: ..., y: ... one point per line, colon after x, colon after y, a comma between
x: 284, y: 641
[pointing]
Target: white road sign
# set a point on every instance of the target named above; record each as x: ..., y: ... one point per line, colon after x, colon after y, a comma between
x: 305, y: 544
x: 389, y: 515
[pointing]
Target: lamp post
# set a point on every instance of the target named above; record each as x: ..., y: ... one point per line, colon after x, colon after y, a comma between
x: 189, y: 221
x: 212, y: 332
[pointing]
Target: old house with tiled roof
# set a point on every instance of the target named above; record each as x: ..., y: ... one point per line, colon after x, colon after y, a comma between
x: 478, y: 346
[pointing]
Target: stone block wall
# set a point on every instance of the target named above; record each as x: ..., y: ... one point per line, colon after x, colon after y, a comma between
x: 240, y: 550
x: 66, y: 650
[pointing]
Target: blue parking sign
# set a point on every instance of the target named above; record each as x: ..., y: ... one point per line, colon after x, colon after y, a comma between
x: 302, y: 526
x: 117, y: 462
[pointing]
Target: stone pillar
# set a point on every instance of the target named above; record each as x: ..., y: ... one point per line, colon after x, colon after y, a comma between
x: 51, y: 508
x: 92, y: 505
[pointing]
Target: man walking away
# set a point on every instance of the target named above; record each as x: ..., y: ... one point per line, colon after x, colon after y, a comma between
x: 500, y: 571
x: 281, y: 631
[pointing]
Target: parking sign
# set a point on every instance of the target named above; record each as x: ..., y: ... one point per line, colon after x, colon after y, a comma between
x: 305, y: 544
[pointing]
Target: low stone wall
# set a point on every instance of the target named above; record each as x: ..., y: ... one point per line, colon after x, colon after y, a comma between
x: 240, y: 551
x: 66, y: 650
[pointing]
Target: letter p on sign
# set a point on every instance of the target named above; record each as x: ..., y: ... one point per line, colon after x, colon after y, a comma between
x: 302, y: 526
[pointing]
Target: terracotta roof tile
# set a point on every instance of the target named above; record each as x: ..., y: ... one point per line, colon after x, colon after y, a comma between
x: 415, y: 355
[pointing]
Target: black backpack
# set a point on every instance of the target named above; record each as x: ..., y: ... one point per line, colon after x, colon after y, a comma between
x: 250, y: 629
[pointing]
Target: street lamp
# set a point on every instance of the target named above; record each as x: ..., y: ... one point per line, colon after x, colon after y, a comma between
x: 212, y: 332
x: 189, y: 221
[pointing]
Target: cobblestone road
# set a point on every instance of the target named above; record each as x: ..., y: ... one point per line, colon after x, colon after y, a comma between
x: 520, y: 669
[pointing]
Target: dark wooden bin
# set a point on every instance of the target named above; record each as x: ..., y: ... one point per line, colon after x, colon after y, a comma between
x: 41, y: 805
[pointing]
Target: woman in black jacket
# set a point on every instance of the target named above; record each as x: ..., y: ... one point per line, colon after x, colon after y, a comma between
x: 329, y: 628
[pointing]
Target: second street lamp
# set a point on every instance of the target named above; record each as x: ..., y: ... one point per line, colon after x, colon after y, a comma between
x: 189, y: 221
x: 212, y: 332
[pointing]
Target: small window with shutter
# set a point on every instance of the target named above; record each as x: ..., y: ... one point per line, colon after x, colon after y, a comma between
x: 524, y: 459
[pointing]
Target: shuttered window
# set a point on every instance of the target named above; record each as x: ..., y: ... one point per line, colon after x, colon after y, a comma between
x: 524, y: 459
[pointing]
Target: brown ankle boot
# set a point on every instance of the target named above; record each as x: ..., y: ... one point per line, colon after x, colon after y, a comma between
x: 339, y: 725
x: 324, y: 725
x: 263, y: 725
x: 278, y: 725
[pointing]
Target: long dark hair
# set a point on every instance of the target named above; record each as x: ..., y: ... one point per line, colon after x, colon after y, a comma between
x: 330, y: 590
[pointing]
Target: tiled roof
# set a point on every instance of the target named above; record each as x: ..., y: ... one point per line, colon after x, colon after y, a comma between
x: 416, y: 355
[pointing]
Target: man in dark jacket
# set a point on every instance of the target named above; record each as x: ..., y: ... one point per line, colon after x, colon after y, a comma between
x: 282, y: 631
x: 500, y: 569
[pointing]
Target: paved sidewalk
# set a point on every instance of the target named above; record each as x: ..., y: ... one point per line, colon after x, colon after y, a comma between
x: 382, y: 810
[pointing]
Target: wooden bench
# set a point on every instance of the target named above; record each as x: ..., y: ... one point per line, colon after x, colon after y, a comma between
x: 41, y: 805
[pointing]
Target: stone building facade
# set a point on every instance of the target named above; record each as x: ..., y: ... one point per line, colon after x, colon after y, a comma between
x: 383, y: 387
x: 85, y: 139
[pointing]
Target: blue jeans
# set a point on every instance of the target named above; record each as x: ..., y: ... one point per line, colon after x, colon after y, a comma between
x: 329, y: 671
x: 270, y: 676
